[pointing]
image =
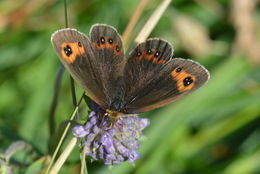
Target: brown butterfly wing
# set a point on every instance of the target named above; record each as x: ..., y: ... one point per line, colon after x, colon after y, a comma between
x: 76, y: 54
x: 94, y: 64
x: 109, y: 52
x: 153, y: 80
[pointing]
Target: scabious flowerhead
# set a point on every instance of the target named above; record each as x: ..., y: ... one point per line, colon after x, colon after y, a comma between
x: 113, y: 140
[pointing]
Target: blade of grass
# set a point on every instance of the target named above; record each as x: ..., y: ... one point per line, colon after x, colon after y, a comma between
x: 245, y: 164
x: 60, y: 161
x: 61, y: 140
x: 136, y: 16
x: 64, y: 134
x: 66, y: 14
x: 152, y: 21
x: 83, y: 161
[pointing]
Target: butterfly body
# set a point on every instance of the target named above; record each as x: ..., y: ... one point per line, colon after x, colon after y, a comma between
x: 145, y: 79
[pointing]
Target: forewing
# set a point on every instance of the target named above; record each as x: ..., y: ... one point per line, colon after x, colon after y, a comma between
x: 96, y: 64
x: 76, y: 53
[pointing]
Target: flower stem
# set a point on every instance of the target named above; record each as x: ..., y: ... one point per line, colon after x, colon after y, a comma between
x: 83, y: 161
x: 66, y: 14
x: 54, y: 101
x: 61, y: 140
x: 60, y: 161
x: 152, y: 21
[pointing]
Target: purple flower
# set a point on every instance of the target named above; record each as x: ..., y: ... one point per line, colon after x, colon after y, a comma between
x: 113, y: 140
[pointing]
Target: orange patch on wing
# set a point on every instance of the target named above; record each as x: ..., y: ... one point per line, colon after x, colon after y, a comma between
x: 112, y: 46
x: 179, y: 78
x: 138, y: 58
x: 155, y: 60
x: 151, y: 57
x: 98, y: 45
x: 116, y: 52
x: 75, y: 49
x: 148, y: 57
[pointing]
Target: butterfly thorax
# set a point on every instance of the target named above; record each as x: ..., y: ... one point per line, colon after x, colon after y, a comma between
x: 117, y: 102
x: 113, y: 114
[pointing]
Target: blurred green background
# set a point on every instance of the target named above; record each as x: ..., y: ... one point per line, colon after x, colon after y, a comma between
x: 214, y: 130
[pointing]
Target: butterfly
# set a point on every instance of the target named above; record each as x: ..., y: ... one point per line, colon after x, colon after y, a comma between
x: 145, y: 79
